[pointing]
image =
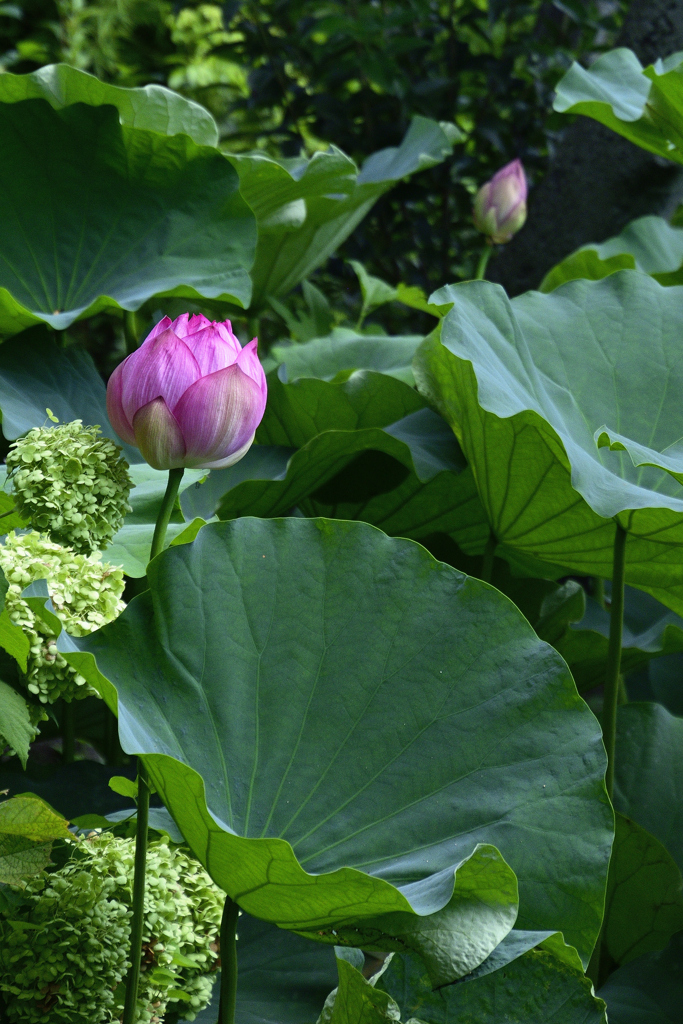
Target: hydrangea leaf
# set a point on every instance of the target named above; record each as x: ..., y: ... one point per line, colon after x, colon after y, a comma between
x: 29, y: 816
x: 531, y: 385
x: 306, y: 208
x: 20, y: 858
x: 285, y: 779
x: 644, y: 900
x: 15, y: 724
x: 649, y: 772
x: 649, y: 990
x: 645, y: 105
x: 134, y: 214
x: 152, y: 107
x: 649, y: 244
x: 535, y: 989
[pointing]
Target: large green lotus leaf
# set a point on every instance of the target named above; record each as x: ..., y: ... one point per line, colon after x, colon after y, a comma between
x: 644, y: 902
x: 98, y: 215
x: 648, y: 244
x: 645, y: 105
x: 535, y: 989
x: 456, y: 726
x: 344, y: 350
x: 532, y: 388
x: 152, y: 107
x: 306, y: 208
x: 649, y: 772
x: 649, y: 990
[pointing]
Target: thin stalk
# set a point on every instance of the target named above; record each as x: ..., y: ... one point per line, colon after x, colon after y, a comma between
x: 130, y: 1006
x: 130, y: 331
x: 174, y: 478
x: 68, y: 734
x: 487, y: 558
x: 226, y: 1009
x: 616, y: 626
x: 483, y: 262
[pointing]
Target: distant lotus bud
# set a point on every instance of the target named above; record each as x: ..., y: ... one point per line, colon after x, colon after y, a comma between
x: 500, y: 204
x: 189, y: 396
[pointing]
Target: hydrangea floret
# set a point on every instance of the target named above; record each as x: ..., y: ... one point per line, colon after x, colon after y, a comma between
x: 85, y: 593
x: 63, y: 957
x: 70, y: 483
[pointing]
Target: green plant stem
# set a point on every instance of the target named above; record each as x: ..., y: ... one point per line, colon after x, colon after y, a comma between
x: 226, y: 1010
x: 487, y: 558
x: 616, y: 626
x: 599, y: 590
x: 483, y: 262
x: 137, y: 923
x: 68, y: 734
x: 130, y: 331
x: 174, y: 478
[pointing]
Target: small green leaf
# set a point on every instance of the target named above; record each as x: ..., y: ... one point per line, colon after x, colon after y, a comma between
x: 15, y: 723
x: 20, y: 858
x: 374, y: 291
x: 357, y: 1001
x: 27, y: 815
x: 123, y: 786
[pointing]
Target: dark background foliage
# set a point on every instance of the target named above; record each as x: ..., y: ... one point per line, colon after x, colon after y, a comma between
x: 293, y: 75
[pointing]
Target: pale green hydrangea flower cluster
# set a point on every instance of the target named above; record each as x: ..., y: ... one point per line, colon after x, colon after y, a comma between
x: 70, y: 968
x: 71, y: 484
x: 85, y: 592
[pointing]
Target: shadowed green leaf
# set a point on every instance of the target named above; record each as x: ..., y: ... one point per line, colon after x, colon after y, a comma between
x: 152, y: 107
x: 649, y: 772
x: 345, y: 350
x: 537, y: 988
x: 530, y: 386
x: 98, y: 215
x: 306, y: 208
x: 649, y: 990
x: 644, y: 901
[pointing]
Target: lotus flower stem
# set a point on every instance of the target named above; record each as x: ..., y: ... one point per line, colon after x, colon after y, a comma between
x: 611, y: 696
x: 137, y: 923
x: 483, y: 263
x: 174, y: 478
x: 226, y: 1010
x: 487, y: 558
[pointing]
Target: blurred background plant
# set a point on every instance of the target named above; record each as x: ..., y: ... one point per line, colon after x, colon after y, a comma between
x: 292, y: 76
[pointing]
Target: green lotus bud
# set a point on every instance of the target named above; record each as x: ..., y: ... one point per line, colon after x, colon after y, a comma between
x: 70, y: 483
x: 63, y: 948
x: 85, y: 592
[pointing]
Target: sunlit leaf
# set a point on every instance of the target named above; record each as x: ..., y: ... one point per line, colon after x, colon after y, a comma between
x: 531, y: 386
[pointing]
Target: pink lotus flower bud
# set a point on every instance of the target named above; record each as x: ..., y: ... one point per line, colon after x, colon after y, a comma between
x: 189, y: 396
x: 500, y: 204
